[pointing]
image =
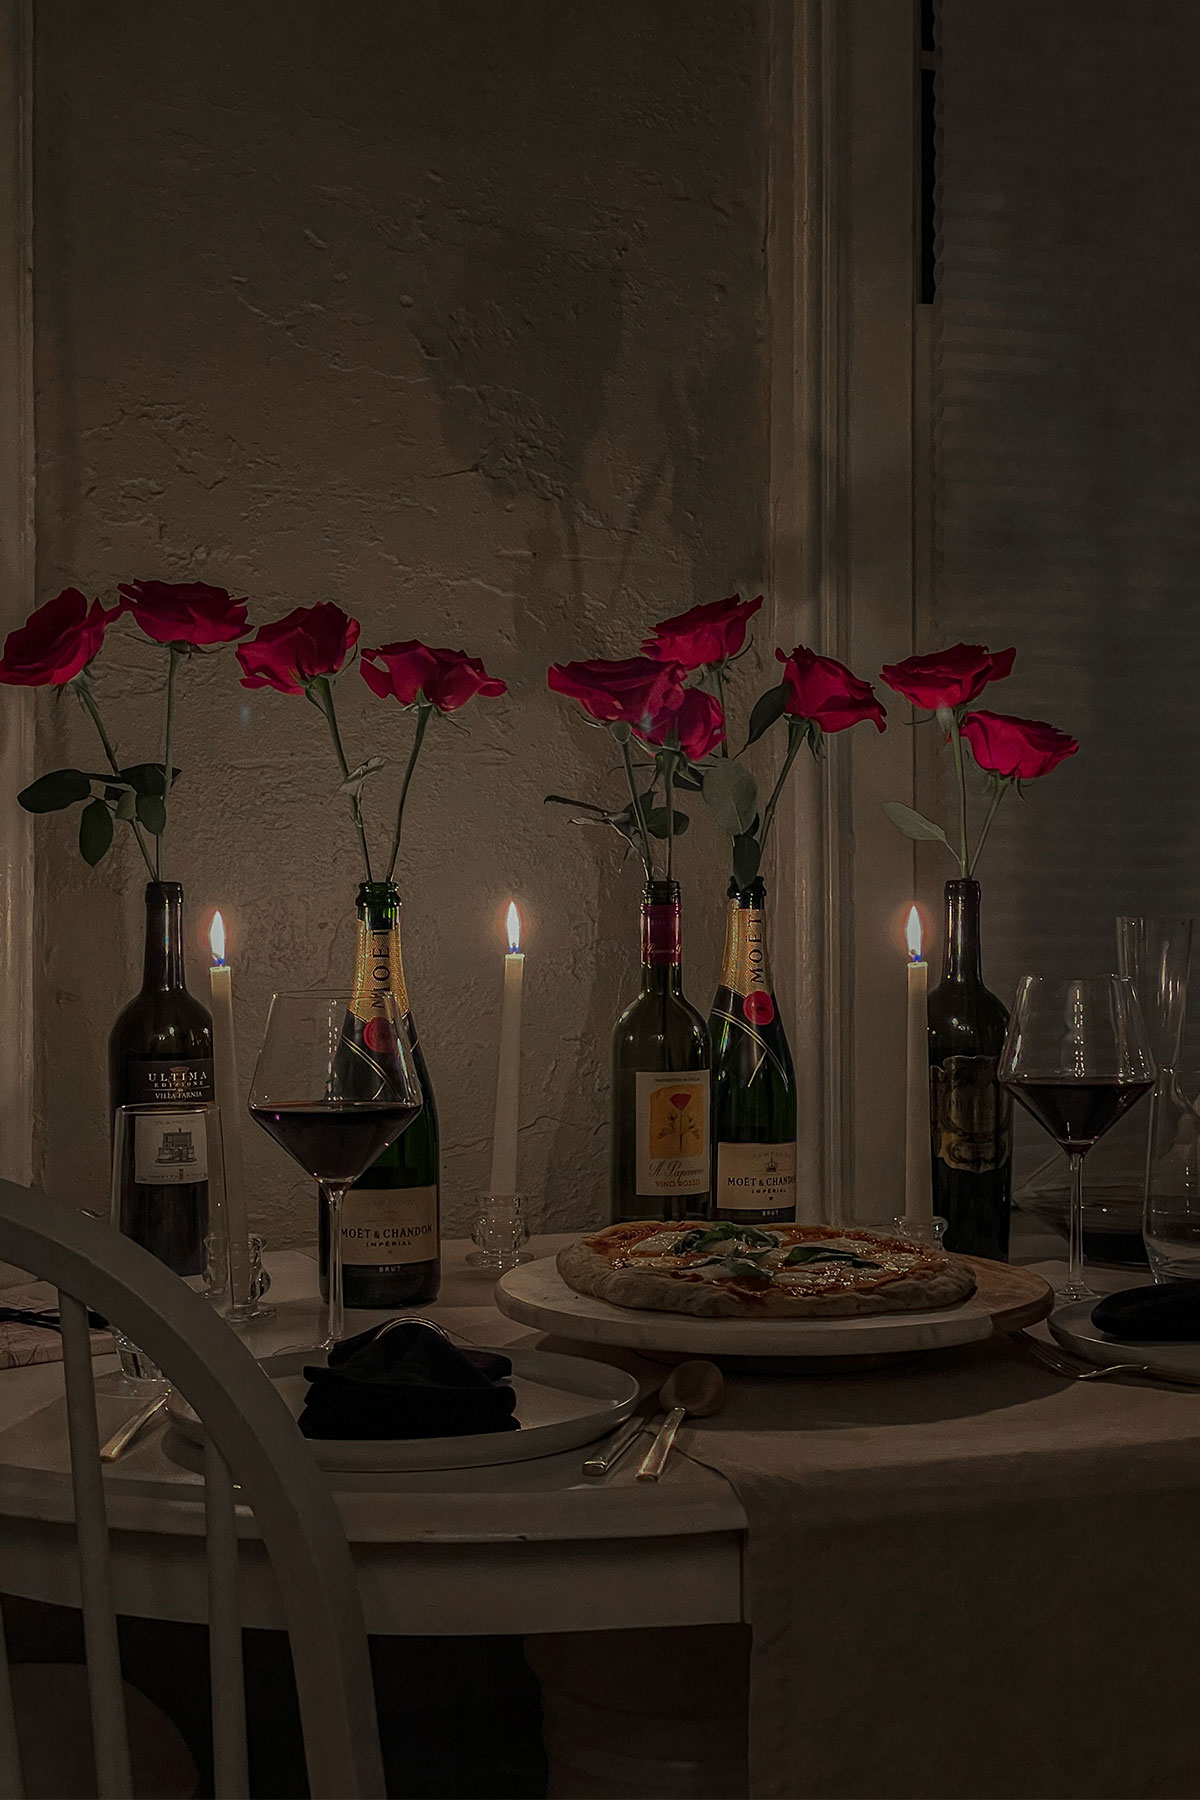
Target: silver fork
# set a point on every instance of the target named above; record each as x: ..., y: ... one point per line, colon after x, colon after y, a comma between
x: 1077, y: 1369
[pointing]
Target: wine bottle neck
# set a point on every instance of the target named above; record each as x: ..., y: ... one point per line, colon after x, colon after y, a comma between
x: 746, y: 968
x: 378, y: 968
x: 662, y: 945
x: 962, y: 960
x: 163, y: 968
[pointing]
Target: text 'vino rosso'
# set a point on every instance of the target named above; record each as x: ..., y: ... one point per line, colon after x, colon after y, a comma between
x: 160, y: 1054
x: 390, y: 1217
x: 661, y: 1161
x: 754, y: 1087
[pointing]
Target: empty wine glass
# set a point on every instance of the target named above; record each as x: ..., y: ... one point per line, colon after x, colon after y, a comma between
x: 334, y: 1086
x: 1077, y: 1057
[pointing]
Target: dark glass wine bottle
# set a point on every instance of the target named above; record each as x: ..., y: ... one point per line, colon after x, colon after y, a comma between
x: 661, y: 1161
x: 971, y: 1115
x: 754, y: 1087
x: 390, y: 1217
x: 160, y: 1054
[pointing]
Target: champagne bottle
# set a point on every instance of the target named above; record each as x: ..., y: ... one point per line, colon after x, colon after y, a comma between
x: 160, y: 1054
x: 660, y: 1100
x: 971, y: 1115
x: 754, y: 1087
x: 390, y: 1217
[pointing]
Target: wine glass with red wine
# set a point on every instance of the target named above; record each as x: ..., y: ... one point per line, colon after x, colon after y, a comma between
x: 334, y: 1086
x: 1077, y: 1057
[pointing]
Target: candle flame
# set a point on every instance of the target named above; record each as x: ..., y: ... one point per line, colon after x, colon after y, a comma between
x: 216, y: 937
x: 514, y: 926
x: 912, y: 932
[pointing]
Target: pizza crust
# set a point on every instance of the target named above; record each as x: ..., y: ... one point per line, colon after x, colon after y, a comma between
x: 930, y: 1280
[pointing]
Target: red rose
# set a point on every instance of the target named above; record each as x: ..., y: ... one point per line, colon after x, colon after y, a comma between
x: 825, y: 691
x: 636, y: 691
x: 949, y: 678
x: 288, y: 655
x: 56, y: 642
x: 184, y: 612
x: 447, y: 679
x: 706, y: 634
x: 1017, y: 749
x: 698, y: 727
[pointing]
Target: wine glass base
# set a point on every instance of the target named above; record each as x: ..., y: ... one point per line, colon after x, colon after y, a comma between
x: 1072, y: 1291
x: 488, y: 1259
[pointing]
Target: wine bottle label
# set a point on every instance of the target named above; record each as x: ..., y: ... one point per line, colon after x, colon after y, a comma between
x: 170, y: 1149
x: 383, y: 1228
x: 661, y: 934
x: 378, y: 970
x: 970, y: 1114
x: 672, y: 1132
x: 755, y: 1177
x: 169, y: 1083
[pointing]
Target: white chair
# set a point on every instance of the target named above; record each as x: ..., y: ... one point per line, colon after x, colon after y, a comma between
x: 253, y: 1441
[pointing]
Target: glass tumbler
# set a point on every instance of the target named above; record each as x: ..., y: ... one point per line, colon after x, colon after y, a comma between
x: 1155, y: 952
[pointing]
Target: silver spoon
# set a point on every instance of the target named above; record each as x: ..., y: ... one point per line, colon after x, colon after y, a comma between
x: 693, y: 1390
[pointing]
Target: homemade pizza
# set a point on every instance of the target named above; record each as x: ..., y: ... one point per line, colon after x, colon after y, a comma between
x: 729, y: 1271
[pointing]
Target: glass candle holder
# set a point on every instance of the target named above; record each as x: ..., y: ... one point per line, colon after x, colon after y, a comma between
x: 500, y: 1233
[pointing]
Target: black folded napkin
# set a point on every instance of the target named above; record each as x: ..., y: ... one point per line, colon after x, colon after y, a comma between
x: 1169, y: 1313
x: 407, y: 1381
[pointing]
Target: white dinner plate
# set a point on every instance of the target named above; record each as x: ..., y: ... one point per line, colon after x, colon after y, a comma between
x: 562, y: 1402
x: 1006, y: 1299
x: 1072, y: 1326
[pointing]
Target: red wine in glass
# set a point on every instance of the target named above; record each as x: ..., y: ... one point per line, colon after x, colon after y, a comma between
x: 1078, y: 1113
x: 334, y: 1142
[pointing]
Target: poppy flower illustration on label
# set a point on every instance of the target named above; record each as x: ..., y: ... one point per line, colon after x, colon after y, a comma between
x: 672, y: 1132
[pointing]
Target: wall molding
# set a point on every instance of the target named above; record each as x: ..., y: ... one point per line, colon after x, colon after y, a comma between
x: 17, y: 584
x: 840, y: 282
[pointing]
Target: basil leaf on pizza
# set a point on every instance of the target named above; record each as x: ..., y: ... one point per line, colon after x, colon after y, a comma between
x: 762, y: 1272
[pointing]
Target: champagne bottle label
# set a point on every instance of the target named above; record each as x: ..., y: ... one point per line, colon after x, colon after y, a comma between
x: 378, y: 970
x: 755, y: 1178
x: 384, y: 1228
x: 968, y: 1123
x: 672, y: 1132
x: 168, y: 1083
x: 170, y: 1149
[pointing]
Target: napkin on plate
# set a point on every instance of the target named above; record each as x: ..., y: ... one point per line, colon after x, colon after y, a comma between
x: 1169, y: 1313
x: 407, y: 1381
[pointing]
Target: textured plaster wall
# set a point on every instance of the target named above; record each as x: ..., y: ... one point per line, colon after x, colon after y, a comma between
x: 451, y: 313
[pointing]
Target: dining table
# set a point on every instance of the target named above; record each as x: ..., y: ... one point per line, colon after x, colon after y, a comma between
x: 961, y: 1574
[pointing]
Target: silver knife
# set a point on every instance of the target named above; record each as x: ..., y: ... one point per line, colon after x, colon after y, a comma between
x: 120, y: 1440
x: 616, y: 1446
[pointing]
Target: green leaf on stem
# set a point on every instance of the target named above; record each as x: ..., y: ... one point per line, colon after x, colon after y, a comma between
x: 125, y: 802
x: 656, y: 822
x: 152, y: 813
x: 95, y: 832
x: 50, y: 793
x: 690, y: 781
x: 747, y: 858
x: 914, y: 824
x: 730, y: 790
x: 584, y: 805
x: 355, y: 779
x: 767, y: 709
x: 147, y: 778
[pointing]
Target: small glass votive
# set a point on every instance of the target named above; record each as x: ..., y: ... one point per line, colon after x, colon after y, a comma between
x: 929, y: 1233
x: 500, y: 1233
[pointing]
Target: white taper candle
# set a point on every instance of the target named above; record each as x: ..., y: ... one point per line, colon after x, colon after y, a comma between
x: 508, y: 1070
x: 918, y: 1166
x: 229, y: 1099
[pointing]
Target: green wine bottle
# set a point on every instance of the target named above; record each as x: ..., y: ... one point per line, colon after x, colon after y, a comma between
x: 390, y: 1217
x: 754, y: 1087
x: 660, y: 1100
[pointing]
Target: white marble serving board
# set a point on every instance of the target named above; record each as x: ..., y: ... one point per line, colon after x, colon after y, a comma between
x: 562, y: 1402
x: 1072, y: 1326
x: 535, y: 1294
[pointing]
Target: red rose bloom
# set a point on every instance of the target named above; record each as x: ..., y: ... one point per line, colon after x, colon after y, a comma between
x: 288, y: 655
x: 635, y: 690
x: 447, y: 679
x: 184, y: 612
x: 825, y: 691
x: 56, y: 642
x: 1017, y: 749
x: 949, y: 678
x: 706, y: 634
x: 698, y: 727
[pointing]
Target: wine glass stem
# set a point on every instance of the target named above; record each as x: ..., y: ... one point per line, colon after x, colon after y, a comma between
x: 335, y: 1321
x: 1075, y: 1270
